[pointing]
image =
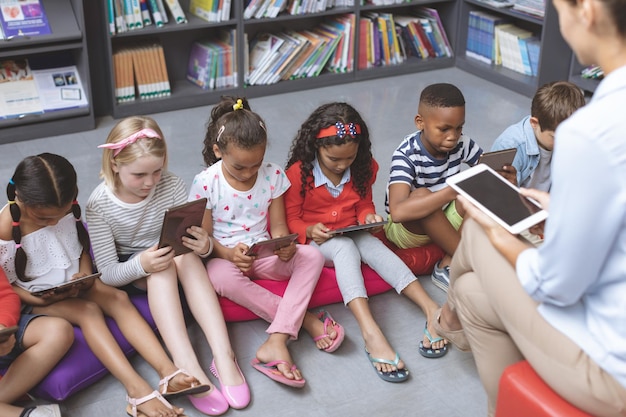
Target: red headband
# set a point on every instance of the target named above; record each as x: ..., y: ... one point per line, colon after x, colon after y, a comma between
x: 339, y: 130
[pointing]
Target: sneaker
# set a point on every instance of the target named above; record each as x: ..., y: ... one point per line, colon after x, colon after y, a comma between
x: 441, y: 277
x: 49, y: 410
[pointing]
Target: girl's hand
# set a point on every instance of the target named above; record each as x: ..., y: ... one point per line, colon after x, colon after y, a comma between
x: 240, y: 259
x: 374, y: 218
x: 155, y: 259
x: 318, y: 233
x: 509, y: 173
x: 286, y: 252
x: 200, y: 243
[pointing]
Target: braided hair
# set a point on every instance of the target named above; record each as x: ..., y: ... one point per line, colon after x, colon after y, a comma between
x: 306, y: 143
x: 232, y: 120
x: 44, y: 180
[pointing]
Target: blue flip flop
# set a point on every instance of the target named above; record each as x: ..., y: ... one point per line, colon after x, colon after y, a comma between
x: 430, y: 352
x: 399, y: 375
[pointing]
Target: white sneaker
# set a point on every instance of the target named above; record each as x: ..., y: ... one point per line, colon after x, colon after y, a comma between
x: 48, y: 410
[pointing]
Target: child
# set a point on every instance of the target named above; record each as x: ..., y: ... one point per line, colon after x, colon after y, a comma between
x: 417, y: 188
x: 244, y: 195
x: 332, y: 164
x: 44, y: 244
x: 29, y: 354
x: 125, y: 215
x: 533, y: 136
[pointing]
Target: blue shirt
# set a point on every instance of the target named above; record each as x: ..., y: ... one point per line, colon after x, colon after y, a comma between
x: 521, y: 137
x: 579, y: 273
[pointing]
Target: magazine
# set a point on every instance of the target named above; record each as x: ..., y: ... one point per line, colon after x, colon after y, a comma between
x: 23, y: 18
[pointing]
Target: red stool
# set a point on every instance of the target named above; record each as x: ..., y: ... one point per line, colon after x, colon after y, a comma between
x: 522, y: 393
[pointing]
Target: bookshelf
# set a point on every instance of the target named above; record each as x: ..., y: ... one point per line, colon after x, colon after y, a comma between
x: 555, y: 55
x: 589, y: 85
x: 178, y: 38
x: 66, y: 45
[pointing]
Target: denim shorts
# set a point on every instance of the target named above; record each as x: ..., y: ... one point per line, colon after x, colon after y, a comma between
x: 18, y: 349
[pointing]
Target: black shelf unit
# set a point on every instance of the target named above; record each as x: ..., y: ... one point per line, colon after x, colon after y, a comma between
x: 178, y: 38
x: 589, y: 85
x: 554, y: 61
x: 66, y: 45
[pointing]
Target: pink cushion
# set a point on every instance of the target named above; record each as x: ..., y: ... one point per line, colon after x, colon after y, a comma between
x: 523, y: 393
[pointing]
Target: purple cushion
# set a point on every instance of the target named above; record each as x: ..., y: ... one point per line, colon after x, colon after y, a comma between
x: 80, y: 368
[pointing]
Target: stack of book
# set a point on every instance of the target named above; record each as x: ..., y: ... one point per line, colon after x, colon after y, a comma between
x: 481, y: 36
x: 386, y: 39
x: 213, y: 62
x: 385, y: 2
x: 288, y: 55
x: 512, y: 44
x: 127, y: 15
x: 140, y: 70
x: 211, y: 10
x: 533, y: 7
x: 259, y: 9
x: 25, y: 91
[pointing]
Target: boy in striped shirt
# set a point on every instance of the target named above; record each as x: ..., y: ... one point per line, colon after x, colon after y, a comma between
x: 421, y: 207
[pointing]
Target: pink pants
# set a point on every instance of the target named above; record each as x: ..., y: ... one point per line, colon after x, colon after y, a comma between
x: 285, y: 313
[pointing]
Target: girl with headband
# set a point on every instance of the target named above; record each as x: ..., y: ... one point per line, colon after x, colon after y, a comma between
x: 332, y: 171
x: 125, y: 215
x: 245, y: 205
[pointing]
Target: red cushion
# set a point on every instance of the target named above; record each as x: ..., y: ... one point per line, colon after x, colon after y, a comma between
x: 419, y: 260
x: 523, y: 393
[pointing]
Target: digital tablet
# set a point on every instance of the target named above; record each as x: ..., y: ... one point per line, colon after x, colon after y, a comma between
x: 498, y: 198
x: 7, y: 332
x: 497, y: 159
x: 266, y: 248
x: 176, y: 222
x: 81, y: 283
x: 356, y: 228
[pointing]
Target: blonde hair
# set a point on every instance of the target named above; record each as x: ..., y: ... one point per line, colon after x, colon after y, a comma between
x: 129, y: 154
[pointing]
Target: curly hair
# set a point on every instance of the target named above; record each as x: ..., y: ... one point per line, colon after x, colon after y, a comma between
x: 442, y: 95
x: 44, y: 180
x: 230, y: 123
x: 306, y: 143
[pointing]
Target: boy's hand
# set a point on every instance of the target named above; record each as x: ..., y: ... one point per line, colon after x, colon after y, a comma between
x: 509, y: 173
x: 318, y: 232
x: 237, y: 255
x: 155, y: 259
x: 286, y: 252
x: 199, y: 244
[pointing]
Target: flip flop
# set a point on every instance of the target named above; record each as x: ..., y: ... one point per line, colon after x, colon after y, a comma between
x: 430, y: 352
x: 270, y: 369
x: 399, y: 375
x: 325, y: 317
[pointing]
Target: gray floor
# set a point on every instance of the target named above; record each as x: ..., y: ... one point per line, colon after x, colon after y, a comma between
x: 343, y: 383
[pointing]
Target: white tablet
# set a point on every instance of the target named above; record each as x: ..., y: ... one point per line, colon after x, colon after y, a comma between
x: 498, y: 198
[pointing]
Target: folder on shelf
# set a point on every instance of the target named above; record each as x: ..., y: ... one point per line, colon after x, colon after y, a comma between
x: 60, y: 88
x: 23, y: 18
x: 19, y: 95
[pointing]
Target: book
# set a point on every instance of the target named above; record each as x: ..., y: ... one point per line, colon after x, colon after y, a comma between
x: 23, y: 18
x: 176, y: 11
x: 19, y: 96
x: 263, y: 50
x: 60, y: 88
x: 533, y: 47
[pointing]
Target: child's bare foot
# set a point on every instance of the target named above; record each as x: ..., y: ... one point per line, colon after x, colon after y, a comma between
x: 275, y: 349
x: 378, y: 347
x: 315, y: 328
x: 150, y: 404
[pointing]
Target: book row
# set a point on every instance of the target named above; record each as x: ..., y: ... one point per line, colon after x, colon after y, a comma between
x: 258, y: 9
x: 493, y: 40
x: 534, y: 8
x: 125, y: 15
x: 140, y: 71
x: 213, y: 62
x: 25, y: 91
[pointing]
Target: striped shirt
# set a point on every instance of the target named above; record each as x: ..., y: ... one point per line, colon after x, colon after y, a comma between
x: 119, y: 228
x: 412, y: 164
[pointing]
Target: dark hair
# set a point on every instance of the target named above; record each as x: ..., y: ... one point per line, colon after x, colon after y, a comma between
x: 305, y: 144
x: 44, y: 180
x: 615, y: 10
x: 442, y: 95
x: 554, y: 102
x: 244, y: 128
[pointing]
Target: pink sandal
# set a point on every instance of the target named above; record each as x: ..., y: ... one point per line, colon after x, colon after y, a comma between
x: 194, y: 388
x: 325, y: 317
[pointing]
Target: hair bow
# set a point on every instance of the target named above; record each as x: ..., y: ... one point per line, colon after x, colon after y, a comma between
x: 339, y: 130
x: 119, y: 146
x: 238, y: 105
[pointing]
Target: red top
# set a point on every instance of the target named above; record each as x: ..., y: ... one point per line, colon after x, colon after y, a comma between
x: 9, y: 302
x: 319, y: 206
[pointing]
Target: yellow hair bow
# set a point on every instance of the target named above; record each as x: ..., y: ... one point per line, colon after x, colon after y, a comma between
x: 238, y: 105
